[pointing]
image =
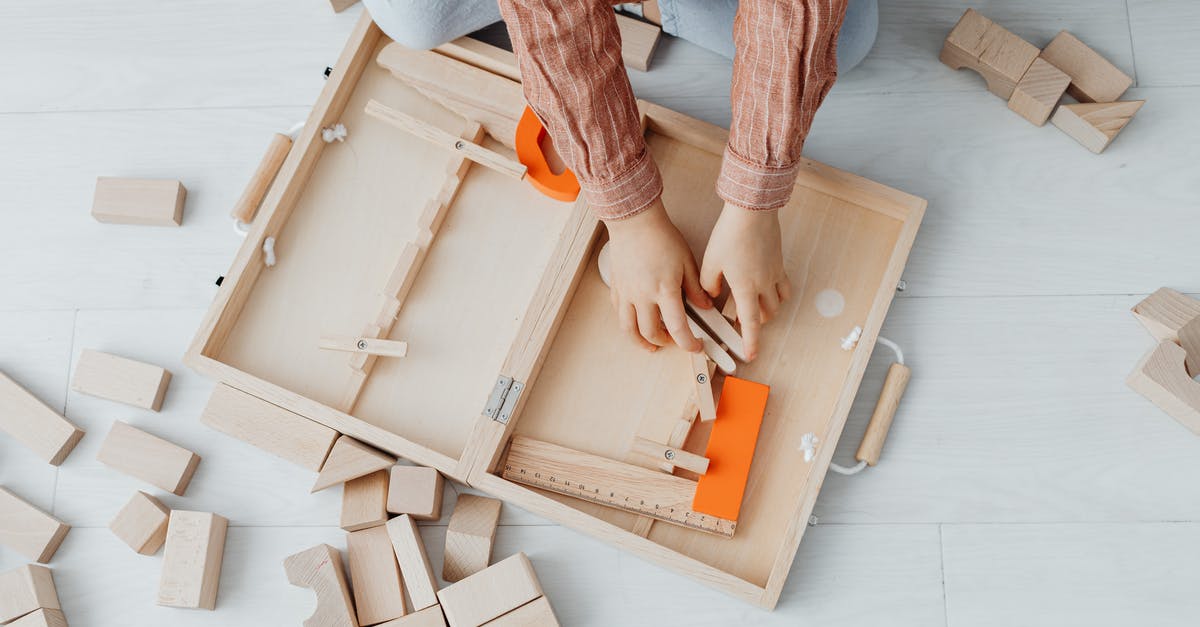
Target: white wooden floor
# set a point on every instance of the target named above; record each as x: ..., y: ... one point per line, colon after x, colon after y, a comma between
x: 1023, y: 483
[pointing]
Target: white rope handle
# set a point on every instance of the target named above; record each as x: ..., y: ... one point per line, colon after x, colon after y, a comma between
x: 809, y: 441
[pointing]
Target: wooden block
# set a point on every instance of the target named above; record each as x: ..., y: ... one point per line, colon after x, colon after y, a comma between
x: 155, y: 202
x: 367, y: 345
x: 702, y: 381
x: 25, y: 589
x: 999, y: 56
x: 341, y: 5
x: 1165, y: 312
x: 191, y: 568
x: 374, y: 576
x: 720, y: 327
x: 350, y: 459
x: 470, y: 536
x: 1095, y: 125
x: 638, y: 41
x: 1038, y: 92
x: 428, y: 617
x: 33, y: 424
x: 1093, y: 78
x: 41, y: 618
x: 414, y: 562
x: 416, y: 491
x: 152, y: 459
x: 490, y: 593
x: 120, y: 379
x: 27, y: 529
x: 1162, y: 378
x: 320, y: 570
x: 675, y: 456
x: 142, y: 523
x: 364, y: 501
x: 731, y: 448
x: 271, y: 428
x: 536, y: 613
x: 1189, y: 339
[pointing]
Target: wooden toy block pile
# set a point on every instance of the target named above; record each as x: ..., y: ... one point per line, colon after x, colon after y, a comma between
x: 1033, y: 81
x: 1166, y: 375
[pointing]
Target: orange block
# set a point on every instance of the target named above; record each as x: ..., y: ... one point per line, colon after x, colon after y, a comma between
x: 731, y: 448
x: 528, y: 142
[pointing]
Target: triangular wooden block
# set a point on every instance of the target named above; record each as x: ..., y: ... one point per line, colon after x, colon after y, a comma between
x: 350, y: 459
x: 1095, y: 124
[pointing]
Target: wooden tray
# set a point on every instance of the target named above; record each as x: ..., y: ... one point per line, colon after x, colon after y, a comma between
x: 510, y: 290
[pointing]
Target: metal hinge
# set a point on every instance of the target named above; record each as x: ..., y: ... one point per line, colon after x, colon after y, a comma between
x: 503, y: 399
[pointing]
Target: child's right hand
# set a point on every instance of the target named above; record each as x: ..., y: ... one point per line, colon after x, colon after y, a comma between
x: 650, y: 263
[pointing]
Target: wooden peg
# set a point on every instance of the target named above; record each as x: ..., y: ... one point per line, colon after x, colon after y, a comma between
x: 27, y: 529
x: 26, y: 589
x: 374, y: 576
x: 350, y: 459
x: 320, y: 570
x: 416, y: 491
x: 1095, y: 125
x: 32, y: 423
x: 1162, y: 378
x: 414, y: 562
x: 142, y: 523
x: 672, y: 455
x: 470, y: 150
x: 366, y: 345
x: 885, y: 410
x: 702, y: 381
x: 269, y: 427
x: 364, y: 501
x: 154, y: 202
x: 154, y: 460
x: 1093, y: 78
x: 1165, y: 312
x: 491, y: 592
x: 41, y: 618
x: 720, y: 327
x: 999, y: 56
x: 1038, y: 92
x: 122, y: 380
x: 191, y: 566
x: 261, y: 180
x: 470, y: 536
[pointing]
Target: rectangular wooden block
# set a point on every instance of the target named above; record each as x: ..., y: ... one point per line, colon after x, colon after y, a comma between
x: 269, y: 427
x: 991, y: 50
x: 414, y: 562
x: 374, y: 576
x: 364, y: 501
x: 536, y: 613
x: 120, y: 379
x: 638, y: 41
x: 490, y: 593
x: 150, y: 458
x: 155, y: 202
x: 416, y: 491
x: 27, y: 529
x: 470, y: 536
x: 1093, y: 78
x: 32, y: 423
x: 428, y: 617
x: 142, y: 523
x: 1038, y: 92
x: 191, y: 567
x: 41, y: 618
x: 25, y: 589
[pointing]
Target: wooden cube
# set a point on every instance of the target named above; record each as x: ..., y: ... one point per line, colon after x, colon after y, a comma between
x: 1038, y: 92
x: 27, y: 529
x: 490, y: 593
x: 119, y: 379
x: 24, y: 590
x: 154, y: 202
x: 428, y: 617
x: 32, y: 423
x: 364, y: 501
x: 152, y: 459
x: 470, y: 536
x: 1093, y: 78
x: 191, y: 567
x: 416, y: 491
x: 142, y: 523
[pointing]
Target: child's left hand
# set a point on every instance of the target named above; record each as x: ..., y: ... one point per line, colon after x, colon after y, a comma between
x: 746, y: 249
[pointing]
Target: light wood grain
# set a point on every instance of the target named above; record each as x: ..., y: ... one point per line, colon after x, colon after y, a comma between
x: 152, y: 459
x: 152, y: 202
x: 142, y: 523
x: 490, y: 593
x: 988, y: 48
x: 638, y: 41
x: 1160, y: 33
x: 374, y: 576
x: 365, y: 345
x: 247, y: 204
x: 121, y: 379
x: 29, y: 530
x: 34, y: 424
x: 536, y: 613
x: 670, y: 455
x: 1095, y: 125
x: 470, y: 536
x: 1165, y: 312
x: 1162, y: 377
x: 192, y: 558
x: 1093, y: 78
x: 41, y: 618
x: 885, y: 411
x: 435, y: 135
x: 350, y: 459
x: 320, y: 569
x: 25, y: 589
x: 269, y: 427
x: 364, y: 501
x: 416, y: 491
x: 409, y: 548
x: 1038, y: 92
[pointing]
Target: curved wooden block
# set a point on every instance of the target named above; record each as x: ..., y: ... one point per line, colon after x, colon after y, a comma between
x: 1162, y: 378
x: 999, y: 56
x: 320, y: 570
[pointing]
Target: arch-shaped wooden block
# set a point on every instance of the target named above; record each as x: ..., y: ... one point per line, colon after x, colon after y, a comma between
x: 1162, y: 378
x: 320, y: 570
x: 999, y: 56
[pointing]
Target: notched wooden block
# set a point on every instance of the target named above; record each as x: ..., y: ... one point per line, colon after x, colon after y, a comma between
x: 1095, y: 125
x: 32, y: 423
x: 27, y: 529
x: 1163, y: 379
x: 1038, y: 92
x: 416, y: 491
x: 155, y: 202
x: 120, y: 379
x: 350, y: 459
x: 320, y: 570
x: 1093, y: 78
x: 364, y: 501
x: 142, y: 523
x: 26, y: 589
x: 152, y: 459
x: 470, y: 536
x: 490, y: 593
x: 191, y: 567
x: 269, y: 427
x: 999, y: 56
x: 1165, y: 312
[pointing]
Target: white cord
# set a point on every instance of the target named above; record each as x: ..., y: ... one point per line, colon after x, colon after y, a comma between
x: 842, y: 470
x: 850, y: 341
x: 857, y: 468
x: 295, y: 129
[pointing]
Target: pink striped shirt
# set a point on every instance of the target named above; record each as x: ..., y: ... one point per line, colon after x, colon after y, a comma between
x: 570, y: 57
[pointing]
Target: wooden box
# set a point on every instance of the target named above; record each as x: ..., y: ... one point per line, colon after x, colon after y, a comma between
x: 509, y: 296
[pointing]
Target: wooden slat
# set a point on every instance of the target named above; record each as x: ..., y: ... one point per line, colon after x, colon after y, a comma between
x: 32, y: 423
x: 437, y: 136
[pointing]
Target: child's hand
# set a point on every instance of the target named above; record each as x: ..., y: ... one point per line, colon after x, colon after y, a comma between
x: 747, y: 250
x: 649, y: 264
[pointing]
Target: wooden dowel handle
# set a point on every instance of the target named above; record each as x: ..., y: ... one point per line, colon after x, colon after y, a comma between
x: 257, y: 188
x: 885, y: 411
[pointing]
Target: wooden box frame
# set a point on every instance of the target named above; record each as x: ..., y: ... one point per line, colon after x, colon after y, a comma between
x: 842, y: 230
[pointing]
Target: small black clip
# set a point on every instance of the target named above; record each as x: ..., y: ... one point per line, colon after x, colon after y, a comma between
x: 220, y: 280
x: 328, y: 71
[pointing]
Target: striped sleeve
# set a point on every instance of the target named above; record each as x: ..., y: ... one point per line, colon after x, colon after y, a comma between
x: 785, y: 64
x: 569, y: 52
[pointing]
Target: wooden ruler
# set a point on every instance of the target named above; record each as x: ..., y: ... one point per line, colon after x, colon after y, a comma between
x: 608, y: 482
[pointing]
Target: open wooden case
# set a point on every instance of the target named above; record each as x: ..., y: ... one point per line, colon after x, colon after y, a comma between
x: 509, y: 328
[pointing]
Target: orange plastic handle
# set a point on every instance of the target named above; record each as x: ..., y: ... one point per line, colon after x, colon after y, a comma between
x: 563, y: 186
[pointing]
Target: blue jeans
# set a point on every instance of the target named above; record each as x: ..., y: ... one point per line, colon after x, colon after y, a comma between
x: 707, y: 23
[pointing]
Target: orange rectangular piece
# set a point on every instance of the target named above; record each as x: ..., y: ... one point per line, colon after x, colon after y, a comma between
x: 731, y: 448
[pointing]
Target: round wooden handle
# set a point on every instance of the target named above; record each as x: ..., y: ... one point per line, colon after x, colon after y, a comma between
x: 257, y: 188
x: 885, y: 411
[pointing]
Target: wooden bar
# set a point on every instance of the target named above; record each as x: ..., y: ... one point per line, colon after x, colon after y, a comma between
x: 269, y: 427
x: 27, y: 529
x: 437, y: 136
x: 191, y: 566
x: 134, y: 452
x: 121, y: 379
x: 32, y: 423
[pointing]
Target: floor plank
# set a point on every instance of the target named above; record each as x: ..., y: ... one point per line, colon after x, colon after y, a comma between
x: 1164, y: 41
